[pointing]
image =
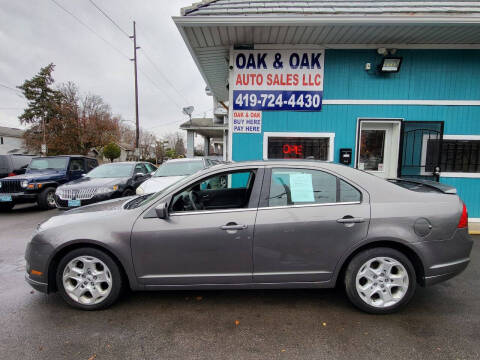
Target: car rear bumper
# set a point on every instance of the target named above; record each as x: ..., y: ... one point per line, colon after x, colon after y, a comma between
x: 446, y: 258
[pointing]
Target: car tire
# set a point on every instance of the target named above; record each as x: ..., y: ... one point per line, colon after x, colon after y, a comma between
x: 6, y: 206
x: 380, y: 280
x: 46, y: 199
x: 128, y: 192
x: 98, y: 287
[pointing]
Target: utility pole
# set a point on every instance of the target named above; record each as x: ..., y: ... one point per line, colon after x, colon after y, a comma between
x: 137, y: 126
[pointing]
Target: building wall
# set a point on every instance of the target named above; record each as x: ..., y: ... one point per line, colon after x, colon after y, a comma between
x: 11, y: 143
x: 424, y: 75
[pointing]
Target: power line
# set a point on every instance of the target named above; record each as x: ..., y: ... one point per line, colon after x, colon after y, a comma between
x: 109, y: 18
x: 10, y: 88
x: 163, y: 76
x: 159, y: 88
x: 91, y: 29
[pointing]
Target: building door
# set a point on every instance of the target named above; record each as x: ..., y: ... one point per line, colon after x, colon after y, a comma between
x: 378, y: 147
x: 421, y: 143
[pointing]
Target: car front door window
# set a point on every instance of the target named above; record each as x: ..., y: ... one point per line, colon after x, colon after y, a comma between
x: 218, y: 192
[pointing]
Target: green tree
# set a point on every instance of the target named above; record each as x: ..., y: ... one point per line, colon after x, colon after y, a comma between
x: 111, y: 151
x: 44, y: 102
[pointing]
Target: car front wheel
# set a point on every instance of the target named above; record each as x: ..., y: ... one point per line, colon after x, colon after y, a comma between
x: 380, y: 280
x: 46, y: 199
x: 89, y: 279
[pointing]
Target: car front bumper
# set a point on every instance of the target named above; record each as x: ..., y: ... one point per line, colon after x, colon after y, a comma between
x: 63, y: 204
x: 22, y: 197
x: 37, y: 256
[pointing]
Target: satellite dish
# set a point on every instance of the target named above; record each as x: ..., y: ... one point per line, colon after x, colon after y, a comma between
x: 188, y: 110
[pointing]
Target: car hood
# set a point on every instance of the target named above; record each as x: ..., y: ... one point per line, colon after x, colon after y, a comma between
x: 156, y: 184
x: 87, y: 182
x: 40, y: 175
x: 88, y: 214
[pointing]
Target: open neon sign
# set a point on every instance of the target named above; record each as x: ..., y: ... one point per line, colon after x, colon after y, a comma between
x: 292, y: 149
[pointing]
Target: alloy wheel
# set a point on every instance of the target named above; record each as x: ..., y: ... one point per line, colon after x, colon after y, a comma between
x: 51, y: 199
x: 382, y: 282
x: 87, y: 280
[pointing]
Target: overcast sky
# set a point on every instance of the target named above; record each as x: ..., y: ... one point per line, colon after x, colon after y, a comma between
x: 34, y: 33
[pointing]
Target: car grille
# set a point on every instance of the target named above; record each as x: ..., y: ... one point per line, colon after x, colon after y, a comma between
x: 76, y: 194
x: 11, y: 186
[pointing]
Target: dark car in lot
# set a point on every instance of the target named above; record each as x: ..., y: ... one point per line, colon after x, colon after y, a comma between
x: 42, y: 177
x: 276, y: 224
x: 14, y: 164
x: 107, y: 181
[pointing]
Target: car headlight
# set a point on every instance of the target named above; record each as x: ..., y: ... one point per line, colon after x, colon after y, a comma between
x: 140, y: 191
x: 107, y: 189
x: 24, y: 183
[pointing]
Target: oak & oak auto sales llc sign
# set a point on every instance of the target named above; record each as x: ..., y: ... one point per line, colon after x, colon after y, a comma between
x: 278, y: 80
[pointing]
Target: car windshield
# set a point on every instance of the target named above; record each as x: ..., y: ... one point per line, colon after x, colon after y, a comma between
x: 112, y: 171
x: 54, y: 163
x: 179, y: 168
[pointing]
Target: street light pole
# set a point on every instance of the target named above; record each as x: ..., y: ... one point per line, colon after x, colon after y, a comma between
x: 137, y: 126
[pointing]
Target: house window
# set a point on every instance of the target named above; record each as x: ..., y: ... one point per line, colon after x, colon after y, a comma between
x: 1, y: 140
x: 318, y: 146
x: 460, y: 156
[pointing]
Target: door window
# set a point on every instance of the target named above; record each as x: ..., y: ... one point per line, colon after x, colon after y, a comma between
x: 140, y: 168
x: 304, y: 186
x: 150, y: 167
x: 372, y: 145
x: 230, y: 190
x: 77, y: 165
x: 91, y: 164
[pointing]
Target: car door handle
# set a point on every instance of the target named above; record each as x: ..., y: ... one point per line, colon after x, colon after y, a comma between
x: 233, y: 227
x: 351, y: 220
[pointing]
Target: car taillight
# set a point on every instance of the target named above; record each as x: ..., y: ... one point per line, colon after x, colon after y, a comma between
x: 12, y: 174
x: 463, y: 223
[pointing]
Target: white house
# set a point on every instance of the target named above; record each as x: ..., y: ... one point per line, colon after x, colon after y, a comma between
x: 11, y: 141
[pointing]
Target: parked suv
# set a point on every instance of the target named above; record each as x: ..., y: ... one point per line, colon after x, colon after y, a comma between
x: 14, y: 164
x: 41, y: 179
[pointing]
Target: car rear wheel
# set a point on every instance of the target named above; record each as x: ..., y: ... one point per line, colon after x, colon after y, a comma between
x: 380, y: 280
x: 46, y: 199
x: 89, y: 279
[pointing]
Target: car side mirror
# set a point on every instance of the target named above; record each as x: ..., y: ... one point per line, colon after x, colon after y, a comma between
x: 162, y: 210
x: 138, y: 175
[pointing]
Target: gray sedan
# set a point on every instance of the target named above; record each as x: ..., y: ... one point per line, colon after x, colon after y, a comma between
x: 283, y: 224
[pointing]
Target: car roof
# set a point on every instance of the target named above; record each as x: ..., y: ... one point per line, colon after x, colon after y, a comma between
x: 186, y: 159
x: 69, y: 156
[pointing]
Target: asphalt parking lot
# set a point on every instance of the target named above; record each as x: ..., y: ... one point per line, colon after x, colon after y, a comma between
x: 441, y: 322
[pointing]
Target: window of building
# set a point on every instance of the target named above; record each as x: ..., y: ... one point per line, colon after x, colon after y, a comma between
x: 305, y: 186
x: 460, y: 156
x: 317, y: 146
x: 1, y: 140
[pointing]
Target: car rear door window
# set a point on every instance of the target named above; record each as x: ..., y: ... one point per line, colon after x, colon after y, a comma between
x: 306, y: 186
